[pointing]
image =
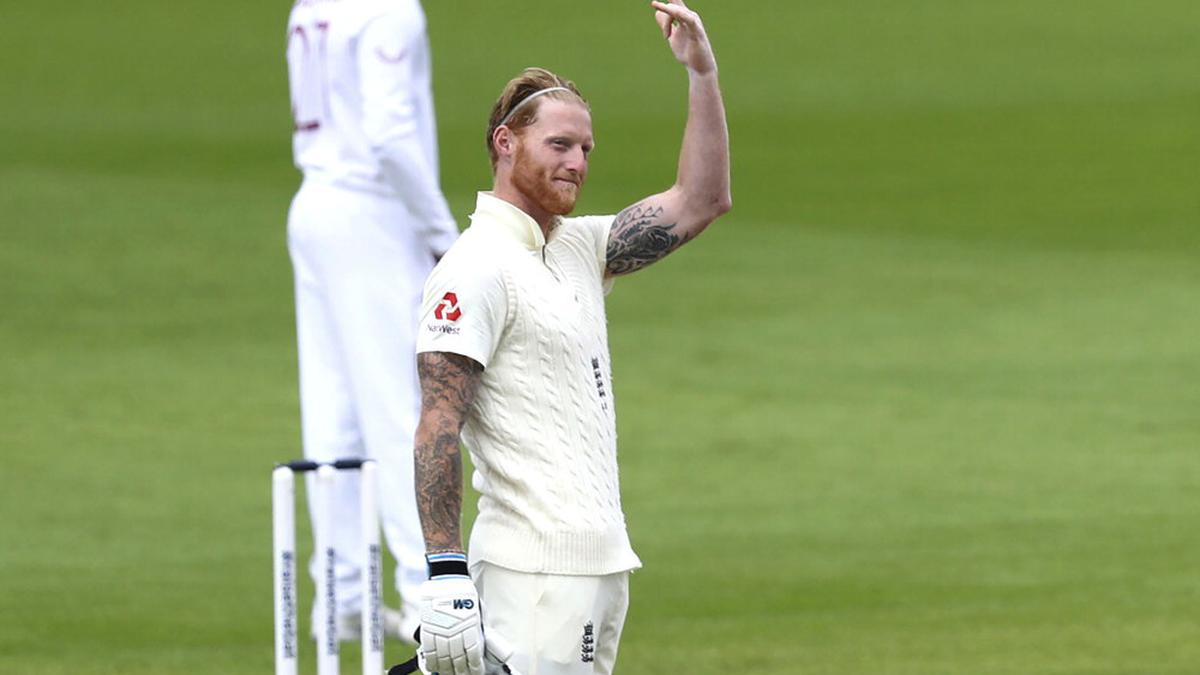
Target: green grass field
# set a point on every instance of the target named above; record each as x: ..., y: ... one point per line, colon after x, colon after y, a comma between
x: 924, y: 403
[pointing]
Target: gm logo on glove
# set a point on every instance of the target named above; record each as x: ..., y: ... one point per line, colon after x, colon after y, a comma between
x: 464, y: 603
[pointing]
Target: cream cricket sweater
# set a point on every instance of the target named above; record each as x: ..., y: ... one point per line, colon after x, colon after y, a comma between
x: 542, y: 431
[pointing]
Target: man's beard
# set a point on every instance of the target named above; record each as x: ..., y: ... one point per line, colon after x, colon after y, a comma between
x: 541, y: 188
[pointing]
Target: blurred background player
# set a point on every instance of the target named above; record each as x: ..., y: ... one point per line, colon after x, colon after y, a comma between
x: 365, y: 228
x: 513, y: 353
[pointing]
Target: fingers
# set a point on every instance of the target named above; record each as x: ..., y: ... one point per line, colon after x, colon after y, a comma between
x: 675, y: 13
x: 684, y: 32
x: 664, y: 23
x: 676, y: 10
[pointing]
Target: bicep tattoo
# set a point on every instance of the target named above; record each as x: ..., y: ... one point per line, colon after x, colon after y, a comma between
x: 448, y: 385
x: 639, y: 236
x: 448, y: 381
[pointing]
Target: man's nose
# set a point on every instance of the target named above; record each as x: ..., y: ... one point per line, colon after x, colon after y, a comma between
x: 577, y: 161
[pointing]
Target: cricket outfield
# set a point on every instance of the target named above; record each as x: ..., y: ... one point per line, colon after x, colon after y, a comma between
x: 924, y: 403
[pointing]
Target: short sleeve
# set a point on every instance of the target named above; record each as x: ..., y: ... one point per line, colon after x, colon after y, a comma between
x: 594, y: 231
x: 465, y: 308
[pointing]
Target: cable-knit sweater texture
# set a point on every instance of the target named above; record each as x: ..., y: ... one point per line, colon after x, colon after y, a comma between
x: 542, y: 430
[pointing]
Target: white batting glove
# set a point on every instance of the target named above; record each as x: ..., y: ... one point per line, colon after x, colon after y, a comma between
x: 496, y: 656
x: 451, y: 625
x: 493, y: 664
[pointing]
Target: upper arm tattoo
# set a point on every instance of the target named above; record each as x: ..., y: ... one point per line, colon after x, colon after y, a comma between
x: 448, y: 386
x: 639, y: 236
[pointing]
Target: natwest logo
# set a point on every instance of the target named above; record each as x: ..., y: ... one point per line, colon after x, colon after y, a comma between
x: 447, y: 308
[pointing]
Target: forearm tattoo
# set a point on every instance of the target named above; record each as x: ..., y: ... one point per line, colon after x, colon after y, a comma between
x: 448, y: 385
x: 640, y: 237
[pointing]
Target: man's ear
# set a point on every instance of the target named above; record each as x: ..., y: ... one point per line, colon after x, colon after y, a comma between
x: 504, y: 140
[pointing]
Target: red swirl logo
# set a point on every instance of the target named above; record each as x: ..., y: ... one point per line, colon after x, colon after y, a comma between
x: 447, y: 309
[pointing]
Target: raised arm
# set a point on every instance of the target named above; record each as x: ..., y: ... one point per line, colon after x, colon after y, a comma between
x: 448, y: 386
x: 661, y: 223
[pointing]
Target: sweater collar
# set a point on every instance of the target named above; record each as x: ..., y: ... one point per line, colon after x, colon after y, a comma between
x: 497, y: 215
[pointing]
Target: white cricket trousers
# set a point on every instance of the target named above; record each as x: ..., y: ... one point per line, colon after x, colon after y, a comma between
x: 360, y: 264
x: 557, y: 624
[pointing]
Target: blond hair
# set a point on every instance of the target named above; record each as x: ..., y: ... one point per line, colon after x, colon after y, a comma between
x: 520, y: 89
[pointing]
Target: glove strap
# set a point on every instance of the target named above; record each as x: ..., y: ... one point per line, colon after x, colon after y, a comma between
x: 406, y: 668
x: 447, y: 565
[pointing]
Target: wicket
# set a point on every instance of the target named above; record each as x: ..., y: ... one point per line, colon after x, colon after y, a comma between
x: 283, y: 520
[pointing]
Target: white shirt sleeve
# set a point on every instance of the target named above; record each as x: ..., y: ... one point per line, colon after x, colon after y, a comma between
x: 465, y: 309
x: 386, y: 49
x: 594, y: 231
